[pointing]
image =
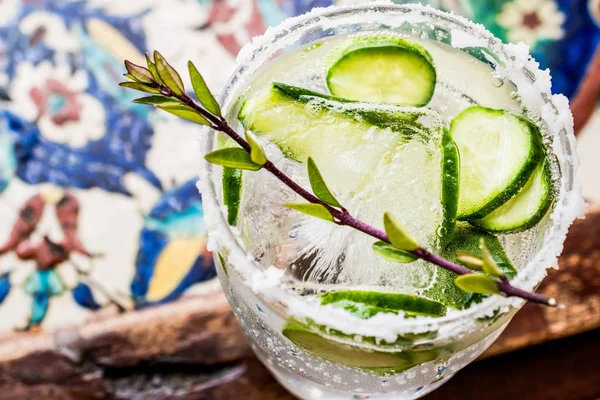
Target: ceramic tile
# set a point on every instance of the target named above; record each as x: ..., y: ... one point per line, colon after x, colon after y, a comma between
x: 98, y: 200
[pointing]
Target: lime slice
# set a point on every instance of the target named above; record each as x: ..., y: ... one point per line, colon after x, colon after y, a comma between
x: 383, y: 69
x: 499, y: 152
x: 525, y: 209
x: 366, y: 304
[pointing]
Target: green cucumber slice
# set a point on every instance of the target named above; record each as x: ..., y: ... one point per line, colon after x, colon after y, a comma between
x: 383, y: 69
x: 287, y: 130
x: 232, y: 193
x: 232, y: 184
x: 395, y: 118
x: 525, y: 209
x: 364, y: 151
x: 377, y: 362
x: 499, y: 151
x: 295, y: 127
x: 302, y: 123
x: 465, y: 238
x: 365, y: 304
x: 450, y: 185
x: 299, y: 121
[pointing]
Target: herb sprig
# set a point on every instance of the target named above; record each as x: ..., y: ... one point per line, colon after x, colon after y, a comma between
x: 161, y: 80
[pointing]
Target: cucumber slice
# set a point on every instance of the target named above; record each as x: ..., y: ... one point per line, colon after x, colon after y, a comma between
x: 383, y: 69
x: 298, y: 129
x: 366, y: 304
x: 395, y: 118
x: 466, y: 238
x: 367, y: 359
x: 232, y: 184
x: 299, y: 121
x: 525, y: 209
x: 450, y: 185
x: 374, y: 158
x: 232, y: 193
x: 399, y: 120
x: 406, y: 340
x: 302, y: 123
x: 499, y: 151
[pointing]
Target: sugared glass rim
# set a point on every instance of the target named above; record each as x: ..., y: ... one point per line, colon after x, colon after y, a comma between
x: 552, y: 109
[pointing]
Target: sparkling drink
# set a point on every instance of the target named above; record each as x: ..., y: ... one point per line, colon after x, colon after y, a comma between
x: 283, y: 272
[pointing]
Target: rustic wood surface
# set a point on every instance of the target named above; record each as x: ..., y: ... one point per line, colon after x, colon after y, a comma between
x: 565, y: 369
x: 576, y: 284
x: 193, y: 349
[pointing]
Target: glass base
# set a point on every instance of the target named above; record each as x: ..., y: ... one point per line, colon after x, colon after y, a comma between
x: 306, y: 389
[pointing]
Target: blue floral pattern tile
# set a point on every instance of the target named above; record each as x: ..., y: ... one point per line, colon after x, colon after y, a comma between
x: 97, y: 194
x: 562, y: 34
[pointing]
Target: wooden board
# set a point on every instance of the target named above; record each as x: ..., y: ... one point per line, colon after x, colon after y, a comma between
x: 195, y: 347
x: 576, y: 284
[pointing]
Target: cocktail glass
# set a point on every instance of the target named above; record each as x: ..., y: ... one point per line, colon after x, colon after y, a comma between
x: 387, y: 356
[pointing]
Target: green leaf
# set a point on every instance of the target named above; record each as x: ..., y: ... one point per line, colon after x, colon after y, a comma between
x: 319, y: 187
x: 130, y: 77
x: 257, y: 154
x: 152, y: 69
x: 232, y: 157
x: 314, y: 210
x: 202, y: 91
x: 469, y: 260
x: 186, y: 112
x: 391, y: 253
x: 398, y: 235
x: 139, y: 73
x: 139, y: 86
x: 157, y: 101
x: 477, y: 283
x: 168, y: 74
x: 490, y: 266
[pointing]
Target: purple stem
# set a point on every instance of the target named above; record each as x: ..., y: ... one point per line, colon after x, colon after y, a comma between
x: 343, y: 217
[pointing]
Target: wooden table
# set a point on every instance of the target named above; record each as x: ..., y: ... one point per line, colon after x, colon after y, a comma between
x: 193, y: 349
x: 566, y: 369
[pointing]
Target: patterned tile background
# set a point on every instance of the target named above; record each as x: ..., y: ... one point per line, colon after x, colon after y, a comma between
x: 97, y: 198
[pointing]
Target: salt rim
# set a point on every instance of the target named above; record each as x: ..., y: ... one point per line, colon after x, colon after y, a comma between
x: 521, y: 68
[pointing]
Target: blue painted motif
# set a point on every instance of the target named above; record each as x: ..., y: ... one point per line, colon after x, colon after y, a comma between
x: 566, y: 54
x: 101, y: 164
x: 42, y: 286
x: 8, y: 159
x: 178, y: 214
x: 82, y: 294
x: 569, y: 57
x: 4, y: 286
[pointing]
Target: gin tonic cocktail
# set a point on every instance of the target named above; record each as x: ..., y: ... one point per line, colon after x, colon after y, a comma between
x: 406, y: 110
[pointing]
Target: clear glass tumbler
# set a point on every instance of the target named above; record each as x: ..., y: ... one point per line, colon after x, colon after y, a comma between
x: 425, y: 352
